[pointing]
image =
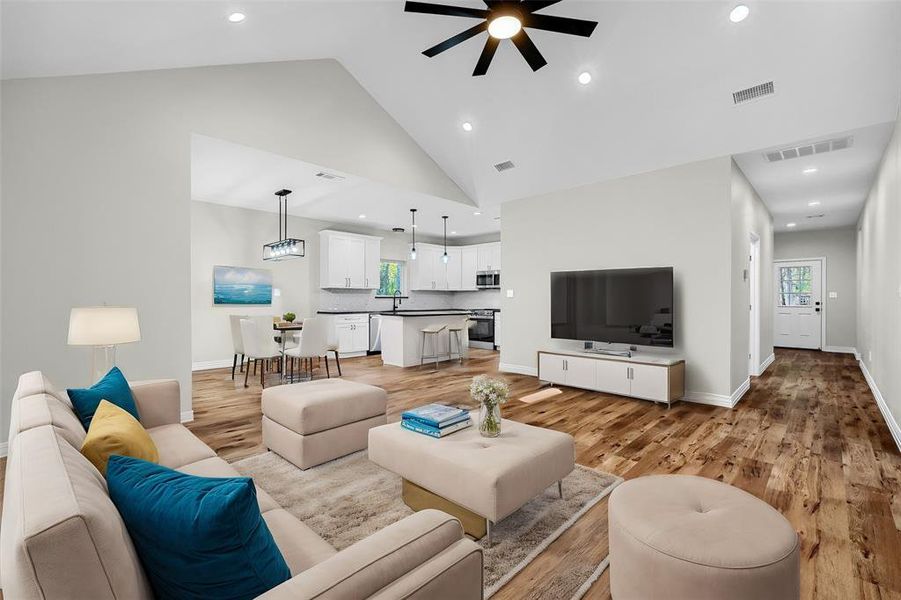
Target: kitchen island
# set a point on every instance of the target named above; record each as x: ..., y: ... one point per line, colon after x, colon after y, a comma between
x: 402, y: 337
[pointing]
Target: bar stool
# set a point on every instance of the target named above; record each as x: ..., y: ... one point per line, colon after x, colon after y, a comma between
x: 431, y: 332
x: 455, y: 331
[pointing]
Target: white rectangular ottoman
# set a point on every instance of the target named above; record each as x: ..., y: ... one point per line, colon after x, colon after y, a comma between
x: 489, y: 477
x: 317, y: 421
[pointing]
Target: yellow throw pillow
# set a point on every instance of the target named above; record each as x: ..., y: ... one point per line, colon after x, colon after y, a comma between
x: 114, y: 431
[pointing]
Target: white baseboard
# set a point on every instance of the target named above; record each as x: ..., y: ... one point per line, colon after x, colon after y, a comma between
x: 841, y: 349
x: 765, y: 364
x: 893, y: 426
x: 519, y: 369
x: 187, y: 416
x: 206, y: 365
x: 4, y: 448
x: 719, y: 399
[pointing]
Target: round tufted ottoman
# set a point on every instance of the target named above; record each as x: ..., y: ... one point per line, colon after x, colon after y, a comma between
x: 682, y: 537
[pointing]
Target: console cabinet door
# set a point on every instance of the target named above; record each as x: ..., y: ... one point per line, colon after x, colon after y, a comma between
x: 580, y: 372
x: 550, y: 368
x: 613, y: 377
x: 649, y: 382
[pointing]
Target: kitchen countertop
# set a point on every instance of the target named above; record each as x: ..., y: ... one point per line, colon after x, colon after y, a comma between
x: 407, y: 312
x: 426, y: 313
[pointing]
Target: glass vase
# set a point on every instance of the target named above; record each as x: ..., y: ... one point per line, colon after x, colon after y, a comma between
x: 490, y: 419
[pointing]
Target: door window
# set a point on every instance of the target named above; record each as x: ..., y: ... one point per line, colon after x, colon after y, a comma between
x: 794, y: 286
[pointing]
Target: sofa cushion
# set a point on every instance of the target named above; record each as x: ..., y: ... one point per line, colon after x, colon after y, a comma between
x: 198, y: 537
x: 114, y: 431
x: 300, y: 545
x: 178, y: 446
x: 62, y: 536
x: 323, y: 404
x: 41, y: 409
x: 216, y: 467
x: 112, y: 388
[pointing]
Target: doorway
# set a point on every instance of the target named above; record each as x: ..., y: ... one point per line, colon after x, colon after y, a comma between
x: 754, y: 305
x: 798, y: 313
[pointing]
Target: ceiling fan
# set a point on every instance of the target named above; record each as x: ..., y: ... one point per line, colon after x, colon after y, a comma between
x: 503, y: 19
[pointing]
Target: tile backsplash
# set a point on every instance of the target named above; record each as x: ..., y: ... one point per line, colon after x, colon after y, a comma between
x: 366, y: 301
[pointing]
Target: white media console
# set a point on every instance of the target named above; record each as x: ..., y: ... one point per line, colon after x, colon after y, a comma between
x: 649, y: 377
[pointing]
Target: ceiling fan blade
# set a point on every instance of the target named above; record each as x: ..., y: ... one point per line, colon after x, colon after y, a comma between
x: 528, y: 50
x: 533, y: 5
x: 559, y: 24
x: 486, y: 56
x: 444, y: 9
x: 453, y: 41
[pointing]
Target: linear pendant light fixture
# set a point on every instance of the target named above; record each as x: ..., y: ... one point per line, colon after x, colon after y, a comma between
x: 285, y: 247
x: 413, y: 247
x: 444, y: 258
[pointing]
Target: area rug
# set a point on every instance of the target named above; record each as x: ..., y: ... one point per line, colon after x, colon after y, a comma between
x: 351, y: 498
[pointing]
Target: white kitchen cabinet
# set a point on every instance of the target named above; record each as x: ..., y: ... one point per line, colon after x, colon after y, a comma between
x: 649, y: 378
x: 489, y: 257
x: 469, y: 265
x: 428, y: 271
x: 453, y: 279
x: 351, y: 332
x: 497, y: 330
x: 348, y: 260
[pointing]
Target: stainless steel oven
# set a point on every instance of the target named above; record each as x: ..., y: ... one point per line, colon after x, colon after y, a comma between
x: 487, y: 280
x: 481, y: 330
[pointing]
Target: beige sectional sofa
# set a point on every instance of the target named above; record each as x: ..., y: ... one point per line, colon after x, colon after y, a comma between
x: 61, y: 536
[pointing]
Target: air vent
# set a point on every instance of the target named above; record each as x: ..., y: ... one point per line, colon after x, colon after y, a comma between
x: 819, y: 216
x: 504, y: 166
x: 329, y: 176
x: 809, y: 149
x: 753, y: 93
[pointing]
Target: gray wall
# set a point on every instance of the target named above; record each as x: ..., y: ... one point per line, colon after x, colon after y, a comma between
x: 749, y: 215
x: 879, y: 280
x: 839, y: 246
x: 96, y: 184
x: 676, y: 217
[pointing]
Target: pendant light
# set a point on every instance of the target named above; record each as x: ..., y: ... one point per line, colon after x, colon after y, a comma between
x: 413, y: 247
x: 445, y: 257
x: 285, y: 247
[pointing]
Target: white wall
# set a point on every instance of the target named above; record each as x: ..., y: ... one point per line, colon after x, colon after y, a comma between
x: 839, y: 246
x: 96, y: 207
x: 676, y: 217
x: 879, y: 284
x: 749, y: 215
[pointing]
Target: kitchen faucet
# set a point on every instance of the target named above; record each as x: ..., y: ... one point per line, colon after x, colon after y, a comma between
x: 396, y: 301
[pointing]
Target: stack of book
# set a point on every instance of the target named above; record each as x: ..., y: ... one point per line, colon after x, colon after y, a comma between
x: 435, y: 420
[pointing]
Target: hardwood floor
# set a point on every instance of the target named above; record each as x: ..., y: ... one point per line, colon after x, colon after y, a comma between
x: 808, y: 438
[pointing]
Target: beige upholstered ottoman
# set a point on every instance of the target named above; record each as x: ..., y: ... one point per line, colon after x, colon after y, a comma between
x: 478, y: 480
x: 676, y: 536
x: 317, y: 421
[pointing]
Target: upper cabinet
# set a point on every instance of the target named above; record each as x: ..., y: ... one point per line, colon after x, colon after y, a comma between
x: 429, y: 271
x: 489, y: 257
x: 348, y: 260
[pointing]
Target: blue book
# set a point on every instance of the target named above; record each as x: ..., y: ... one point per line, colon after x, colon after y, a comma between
x: 434, y: 414
x: 434, y: 431
x: 463, y: 416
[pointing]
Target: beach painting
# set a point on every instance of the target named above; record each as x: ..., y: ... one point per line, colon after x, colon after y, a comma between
x: 240, y: 285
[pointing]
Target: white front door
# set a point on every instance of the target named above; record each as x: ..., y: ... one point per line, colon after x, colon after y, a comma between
x: 798, y: 315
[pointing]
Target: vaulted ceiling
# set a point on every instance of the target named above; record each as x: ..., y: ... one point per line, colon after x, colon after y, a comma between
x: 661, y: 93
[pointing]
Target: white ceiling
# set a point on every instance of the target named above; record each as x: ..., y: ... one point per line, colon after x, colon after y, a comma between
x: 661, y: 93
x: 840, y: 183
x: 234, y: 175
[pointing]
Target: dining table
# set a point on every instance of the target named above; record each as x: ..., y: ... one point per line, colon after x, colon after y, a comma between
x: 285, y: 327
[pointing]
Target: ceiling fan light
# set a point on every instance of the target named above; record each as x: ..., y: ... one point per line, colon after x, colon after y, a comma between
x: 504, y: 27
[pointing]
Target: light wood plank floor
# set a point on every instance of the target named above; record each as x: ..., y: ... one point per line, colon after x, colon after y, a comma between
x: 808, y: 438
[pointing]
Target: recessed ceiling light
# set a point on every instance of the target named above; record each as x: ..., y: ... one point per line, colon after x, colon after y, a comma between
x: 476, y: 213
x: 791, y: 224
x: 739, y: 13
x: 236, y: 17
x: 810, y: 170
x: 362, y: 216
x: 813, y: 203
x: 585, y: 78
x: 467, y: 126
x: 504, y: 27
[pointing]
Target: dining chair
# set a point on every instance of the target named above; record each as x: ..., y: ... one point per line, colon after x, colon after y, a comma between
x: 237, y: 341
x: 331, y: 345
x: 313, y: 344
x: 259, y: 345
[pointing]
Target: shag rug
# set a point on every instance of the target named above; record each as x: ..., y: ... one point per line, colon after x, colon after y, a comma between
x: 351, y: 498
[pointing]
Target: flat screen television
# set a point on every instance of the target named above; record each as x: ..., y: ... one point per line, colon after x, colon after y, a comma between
x: 628, y: 306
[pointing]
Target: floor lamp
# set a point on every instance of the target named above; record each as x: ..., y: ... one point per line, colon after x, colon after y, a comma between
x: 103, y: 327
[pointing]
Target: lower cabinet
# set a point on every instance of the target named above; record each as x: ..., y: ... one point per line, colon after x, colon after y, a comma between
x: 351, y: 332
x: 663, y: 382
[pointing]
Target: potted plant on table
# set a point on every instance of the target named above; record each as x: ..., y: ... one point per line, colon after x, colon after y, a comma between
x: 490, y: 394
x: 289, y: 317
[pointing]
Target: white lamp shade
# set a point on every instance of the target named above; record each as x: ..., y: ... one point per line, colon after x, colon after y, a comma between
x: 103, y: 325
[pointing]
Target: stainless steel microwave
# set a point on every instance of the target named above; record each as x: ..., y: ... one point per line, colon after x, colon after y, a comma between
x: 486, y: 280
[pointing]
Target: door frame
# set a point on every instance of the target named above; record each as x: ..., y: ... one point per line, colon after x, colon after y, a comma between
x: 823, y: 293
x: 754, y: 298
